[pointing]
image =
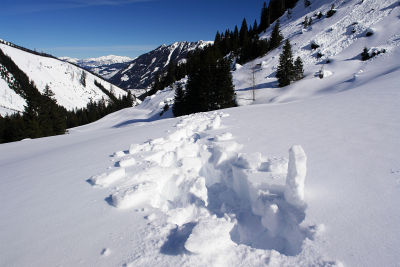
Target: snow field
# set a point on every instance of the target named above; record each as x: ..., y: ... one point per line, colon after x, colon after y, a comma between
x: 219, y: 199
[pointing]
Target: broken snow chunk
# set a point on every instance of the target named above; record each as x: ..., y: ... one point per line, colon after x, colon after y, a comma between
x: 138, y: 194
x: 294, y: 188
x: 105, y: 252
x: 119, y: 154
x: 248, y: 161
x: 215, y: 123
x: 108, y: 178
x: 210, y: 235
x: 127, y: 162
x: 223, y: 137
x: 199, y: 189
x: 275, y: 165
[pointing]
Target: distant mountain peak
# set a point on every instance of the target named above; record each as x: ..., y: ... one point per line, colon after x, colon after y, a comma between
x: 140, y: 72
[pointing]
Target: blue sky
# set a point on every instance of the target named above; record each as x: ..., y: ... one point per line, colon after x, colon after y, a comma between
x: 92, y: 28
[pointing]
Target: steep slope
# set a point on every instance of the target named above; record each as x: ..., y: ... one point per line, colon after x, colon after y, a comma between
x: 106, y: 66
x: 341, y: 39
x: 139, y: 74
x: 63, y: 78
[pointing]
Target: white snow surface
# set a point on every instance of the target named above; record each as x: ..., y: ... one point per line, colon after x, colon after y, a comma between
x: 308, y: 175
x: 62, y: 78
x: 10, y: 101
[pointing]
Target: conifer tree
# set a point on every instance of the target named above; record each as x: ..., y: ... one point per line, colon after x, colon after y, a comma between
x: 244, y: 32
x: 298, y: 69
x: 276, y: 37
x: 285, y: 71
x: 179, y: 101
x: 255, y: 28
x: 365, y: 55
x: 264, y: 20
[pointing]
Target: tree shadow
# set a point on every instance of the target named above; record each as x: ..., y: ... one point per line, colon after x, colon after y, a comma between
x: 272, y: 84
x: 128, y: 122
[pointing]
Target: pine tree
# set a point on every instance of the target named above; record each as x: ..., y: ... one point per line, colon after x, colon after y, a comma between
x: 224, y: 85
x: 285, y: 71
x: 298, y: 69
x: 264, y: 18
x: 365, y: 55
x: 179, y: 101
x: 255, y: 28
x: 276, y: 37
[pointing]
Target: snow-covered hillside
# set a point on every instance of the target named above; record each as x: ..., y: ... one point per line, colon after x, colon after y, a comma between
x: 140, y: 73
x: 307, y: 175
x: 341, y: 39
x: 106, y: 66
x: 200, y: 190
x: 64, y: 80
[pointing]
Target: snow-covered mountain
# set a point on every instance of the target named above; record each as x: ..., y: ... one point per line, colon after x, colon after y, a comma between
x: 307, y: 175
x: 106, y: 66
x: 63, y: 78
x: 139, y: 73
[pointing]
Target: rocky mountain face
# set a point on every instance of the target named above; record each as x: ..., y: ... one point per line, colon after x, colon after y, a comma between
x: 140, y: 73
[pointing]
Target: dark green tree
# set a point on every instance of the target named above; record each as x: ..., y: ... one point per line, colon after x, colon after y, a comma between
x: 179, y: 101
x: 244, y: 33
x: 264, y: 19
x: 276, y: 37
x: 365, y: 55
x: 285, y: 71
x: 298, y: 69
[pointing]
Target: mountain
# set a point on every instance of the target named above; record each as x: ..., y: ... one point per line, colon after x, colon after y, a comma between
x: 63, y: 78
x: 106, y: 66
x: 305, y: 175
x: 140, y: 73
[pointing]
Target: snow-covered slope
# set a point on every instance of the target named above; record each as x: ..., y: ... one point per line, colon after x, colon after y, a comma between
x: 200, y: 190
x: 308, y: 177
x: 10, y: 101
x: 139, y: 74
x: 63, y: 78
x: 106, y: 66
x: 341, y: 38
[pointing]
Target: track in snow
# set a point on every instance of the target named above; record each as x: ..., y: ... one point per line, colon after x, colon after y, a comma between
x: 217, y: 197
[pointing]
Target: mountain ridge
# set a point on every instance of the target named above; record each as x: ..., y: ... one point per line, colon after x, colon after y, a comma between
x: 140, y: 73
x: 63, y: 78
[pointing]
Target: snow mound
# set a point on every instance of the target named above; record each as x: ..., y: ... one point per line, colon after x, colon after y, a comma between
x: 218, y: 198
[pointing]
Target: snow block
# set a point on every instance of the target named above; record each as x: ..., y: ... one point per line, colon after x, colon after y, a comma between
x: 210, y: 235
x: 107, y: 178
x: 297, y: 169
x: 126, y: 162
